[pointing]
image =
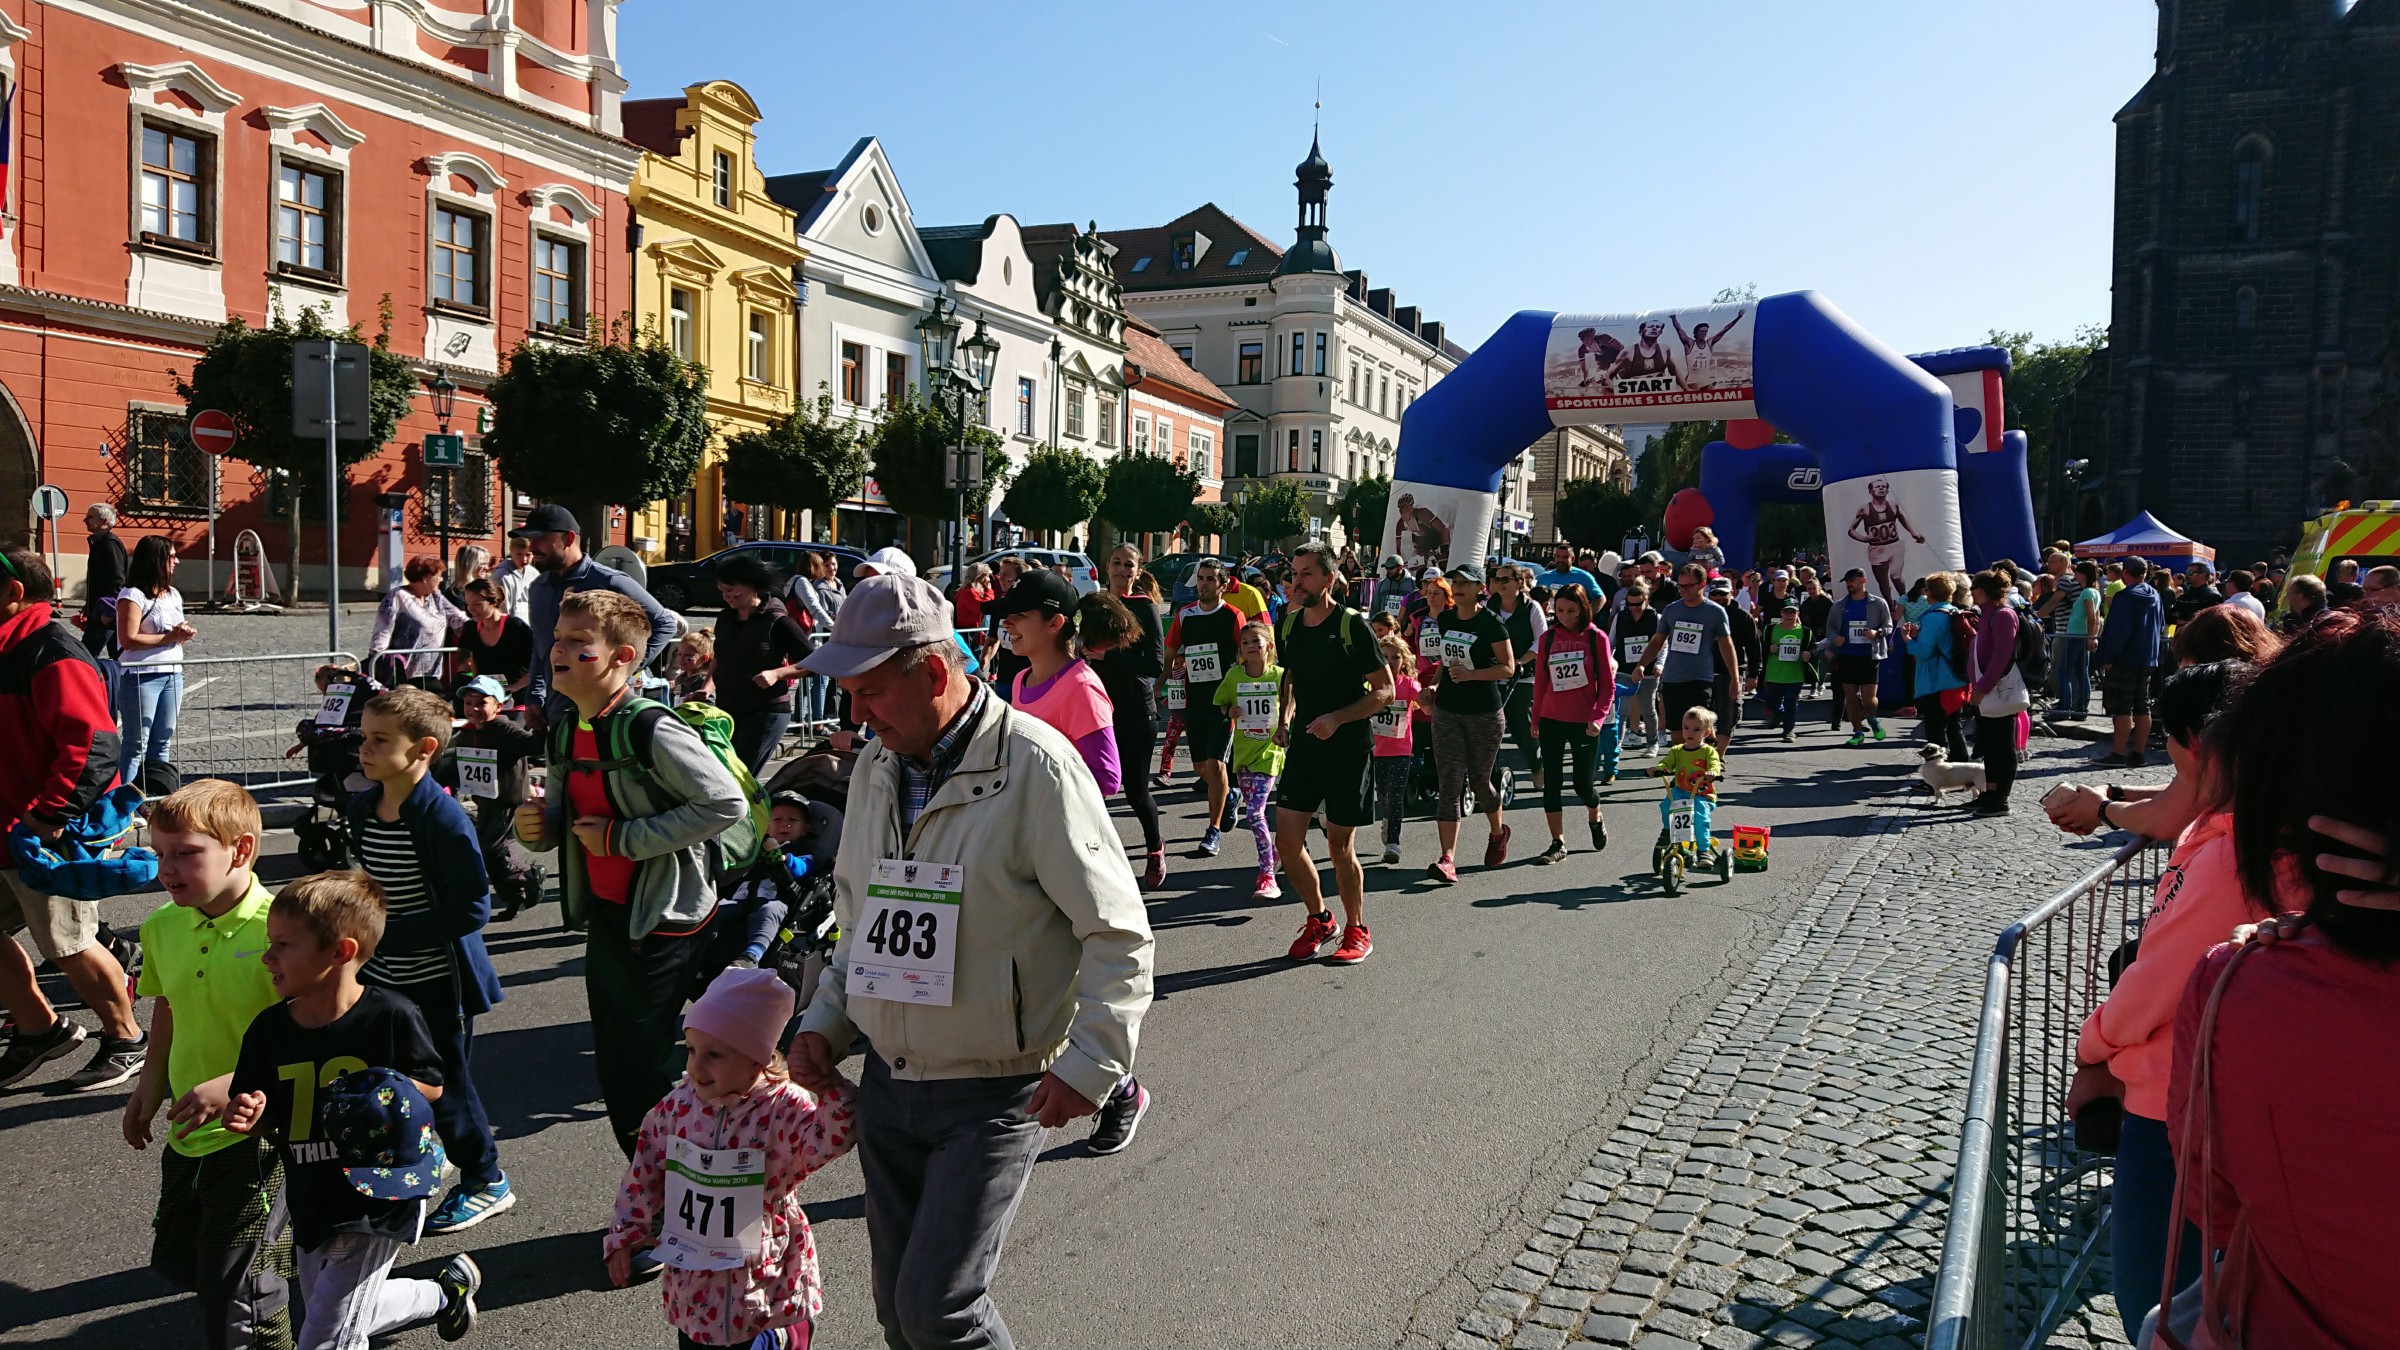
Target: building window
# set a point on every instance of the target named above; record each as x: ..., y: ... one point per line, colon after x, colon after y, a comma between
x: 757, y: 350
x: 1299, y: 350
x: 1203, y: 446
x: 1245, y: 456
x: 895, y: 378
x: 1166, y: 439
x: 1024, y: 405
x: 1075, y: 414
x: 461, y: 245
x: 2249, y: 189
x: 1141, y: 434
x: 721, y: 179
x: 177, y: 172
x: 164, y: 473
x: 1291, y: 452
x: 1182, y: 255
x: 1253, y: 363
x: 557, y: 284
x: 854, y: 374
x: 1354, y: 382
x: 308, y: 207
x: 1184, y: 350
x: 1240, y: 256
x: 1383, y: 400
x: 680, y: 306
x: 1108, y: 421
x: 1320, y: 353
x: 2245, y: 313
x: 461, y: 504
x: 1316, y: 452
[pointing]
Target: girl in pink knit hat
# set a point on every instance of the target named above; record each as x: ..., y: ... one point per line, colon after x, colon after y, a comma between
x: 713, y: 1188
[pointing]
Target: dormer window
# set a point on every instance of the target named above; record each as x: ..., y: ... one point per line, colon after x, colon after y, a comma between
x: 1187, y: 250
x: 1240, y: 256
x: 1141, y: 263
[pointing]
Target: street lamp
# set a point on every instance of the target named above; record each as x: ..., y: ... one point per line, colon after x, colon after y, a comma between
x: 445, y: 401
x: 957, y: 376
x: 937, y: 332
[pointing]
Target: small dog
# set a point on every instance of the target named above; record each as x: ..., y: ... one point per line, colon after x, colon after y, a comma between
x: 1942, y: 777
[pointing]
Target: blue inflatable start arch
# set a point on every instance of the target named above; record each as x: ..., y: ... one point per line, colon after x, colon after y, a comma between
x: 1879, y: 427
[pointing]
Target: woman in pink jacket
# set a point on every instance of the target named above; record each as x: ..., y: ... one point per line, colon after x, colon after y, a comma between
x: 2200, y: 901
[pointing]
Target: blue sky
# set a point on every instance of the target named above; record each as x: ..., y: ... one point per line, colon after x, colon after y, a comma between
x: 1937, y: 170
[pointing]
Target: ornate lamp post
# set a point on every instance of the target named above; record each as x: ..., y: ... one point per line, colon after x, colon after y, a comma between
x: 958, y: 376
x: 445, y: 401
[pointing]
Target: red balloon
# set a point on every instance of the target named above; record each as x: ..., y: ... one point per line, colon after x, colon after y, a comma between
x: 1686, y: 511
x: 1749, y: 433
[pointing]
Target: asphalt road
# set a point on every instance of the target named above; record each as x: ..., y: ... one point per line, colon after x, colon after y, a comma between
x: 1337, y: 1157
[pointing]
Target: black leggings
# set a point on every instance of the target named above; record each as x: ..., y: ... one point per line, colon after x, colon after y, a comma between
x: 1560, y: 741
x: 1945, y: 729
x: 1996, y: 737
x: 1136, y: 736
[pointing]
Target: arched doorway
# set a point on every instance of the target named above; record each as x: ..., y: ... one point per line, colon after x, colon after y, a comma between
x: 19, y: 475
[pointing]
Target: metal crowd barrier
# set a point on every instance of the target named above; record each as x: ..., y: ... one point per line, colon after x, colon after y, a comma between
x: 239, y: 713
x: 2028, y: 1207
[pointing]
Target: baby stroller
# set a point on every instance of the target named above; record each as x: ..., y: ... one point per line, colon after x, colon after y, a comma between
x: 1425, y: 779
x: 331, y: 739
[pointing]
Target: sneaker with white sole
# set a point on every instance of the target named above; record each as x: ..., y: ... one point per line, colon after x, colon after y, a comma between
x: 468, y: 1206
x: 116, y: 1062
x: 1210, y: 841
x: 25, y: 1054
x: 460, y: 1279
x: 1119, y: 1117
x: 1391, y: 855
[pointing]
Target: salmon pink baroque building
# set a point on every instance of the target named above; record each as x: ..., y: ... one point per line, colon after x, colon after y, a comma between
x: 174, y: 163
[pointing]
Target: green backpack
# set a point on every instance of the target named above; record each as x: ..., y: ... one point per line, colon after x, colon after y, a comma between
x: 628, y: 732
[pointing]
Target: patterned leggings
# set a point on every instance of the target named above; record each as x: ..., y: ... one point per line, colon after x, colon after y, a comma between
x: 1391, y: 794
x: 1166, y: 749
x: 1257, y: 789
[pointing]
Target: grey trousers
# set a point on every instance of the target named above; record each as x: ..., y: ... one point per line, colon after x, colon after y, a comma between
x: 946, y: 1163
x: 1465, y: 747
x: 350, y: 1294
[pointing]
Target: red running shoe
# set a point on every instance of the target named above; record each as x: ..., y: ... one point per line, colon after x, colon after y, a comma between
x: 1355, y: 946
x: 1496, y: 852
x: 1315, y: 933
x: 1444, y: 870
x: 1155, y: 875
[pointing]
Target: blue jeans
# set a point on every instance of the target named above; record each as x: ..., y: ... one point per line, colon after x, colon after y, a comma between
x: 2139, y: 1206
x: 1783, y: 704
x: 2074, y: 675
x: 1612, y: 742
x: 1702, y: 808
x: 148, y: 701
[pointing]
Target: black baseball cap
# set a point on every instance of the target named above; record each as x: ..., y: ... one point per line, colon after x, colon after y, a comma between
x: 548, y: 518
x: 1040, y: 592
x: 1855, y: 574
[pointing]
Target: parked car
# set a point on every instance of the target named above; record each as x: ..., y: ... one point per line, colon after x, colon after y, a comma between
x: 693, y: 585
x: 1174, y: 573
x: 1079, y: 567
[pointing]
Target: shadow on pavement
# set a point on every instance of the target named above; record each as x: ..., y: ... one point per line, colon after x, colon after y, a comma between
x: 153, y: 1325
x: 548, y: 1076
x: 1203, y: 978
x: 531, y: 1270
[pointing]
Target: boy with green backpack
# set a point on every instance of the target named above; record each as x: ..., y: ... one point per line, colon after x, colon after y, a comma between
x: 645, y: 809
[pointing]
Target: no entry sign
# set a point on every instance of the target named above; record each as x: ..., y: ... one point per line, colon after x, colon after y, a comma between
x: 212, y: 431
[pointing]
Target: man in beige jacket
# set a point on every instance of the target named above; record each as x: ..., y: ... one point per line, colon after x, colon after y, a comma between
x: 995, y: 956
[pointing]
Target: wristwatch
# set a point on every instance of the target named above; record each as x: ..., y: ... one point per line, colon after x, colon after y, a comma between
x: 2104, y: 816
x: 2116, y: 792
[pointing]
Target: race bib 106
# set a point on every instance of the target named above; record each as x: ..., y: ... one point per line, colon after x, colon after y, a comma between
x: 1787, y: 649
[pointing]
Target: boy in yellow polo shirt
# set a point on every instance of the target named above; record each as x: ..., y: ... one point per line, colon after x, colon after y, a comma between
x: 220, y: 1226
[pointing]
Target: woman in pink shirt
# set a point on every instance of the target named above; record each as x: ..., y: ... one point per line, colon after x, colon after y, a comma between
x: 2293, y: 1154
x: 1574, y: 690
x: 1057, y: 687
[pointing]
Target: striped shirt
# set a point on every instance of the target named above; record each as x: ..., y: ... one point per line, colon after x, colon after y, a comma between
x: 389, y: 853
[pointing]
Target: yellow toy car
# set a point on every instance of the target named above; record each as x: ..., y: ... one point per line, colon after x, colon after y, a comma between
x: 1750, y: 847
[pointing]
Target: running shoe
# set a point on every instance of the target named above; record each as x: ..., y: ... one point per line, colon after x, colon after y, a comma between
x: 1356, y: 946
x: 2136, y: 760
x: 1788, y: 738
x: 1120, y: 1116
x: 1495, y: 850
x: 1210, y: 839
x: 468, y: 1206
x: 1599, y: 834
x: 459, y: 1280
x: 1444, y: 870
x: 1856, y: 738
x: 2113, y: 761
x: 28, y: 1053
x: 1315, y: 933
x: 1266, y: 888
x: 116, y: 1062
x: 1608, y: 777
x: 1159, y: 781
x: 1990, y: 804
x: 1155, y: 875
x: 1556, y: 853
x: 1391, y: 855
x: 1877, y: 728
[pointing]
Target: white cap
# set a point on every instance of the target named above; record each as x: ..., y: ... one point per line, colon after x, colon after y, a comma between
x: 886, y: 561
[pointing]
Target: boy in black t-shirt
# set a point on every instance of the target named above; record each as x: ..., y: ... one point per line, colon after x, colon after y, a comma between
x: 356, y: 1187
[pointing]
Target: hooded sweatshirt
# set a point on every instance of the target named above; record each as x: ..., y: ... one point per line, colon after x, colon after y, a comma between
x: 57, y: 734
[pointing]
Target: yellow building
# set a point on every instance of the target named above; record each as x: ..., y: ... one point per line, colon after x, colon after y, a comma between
x: 713, y: 266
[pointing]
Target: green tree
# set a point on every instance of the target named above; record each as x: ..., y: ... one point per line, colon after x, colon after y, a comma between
x: 622, y: 422
x: 246, y: 373
x: 2040, y: 376
x: 1276, y: 511
x: 1144, y: 494
x: 1363, y: 506
x: 910, y: 450
x: 807, y: 460
x: 1056, y: 490
x: 1208, y: 519
x: 1670, y: 464
x: 1596, y: 513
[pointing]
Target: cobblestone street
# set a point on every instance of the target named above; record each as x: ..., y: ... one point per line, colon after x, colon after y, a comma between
x: 1784, y: 1179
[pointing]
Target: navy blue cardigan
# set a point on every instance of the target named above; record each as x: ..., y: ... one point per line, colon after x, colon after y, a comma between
x: 462, y: 898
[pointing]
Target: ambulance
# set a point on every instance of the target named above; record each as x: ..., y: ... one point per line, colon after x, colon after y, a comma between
x: 2367, y: 532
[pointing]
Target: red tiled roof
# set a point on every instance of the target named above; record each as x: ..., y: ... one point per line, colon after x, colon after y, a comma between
x: 1159, y: 362
x: 650, y: 124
